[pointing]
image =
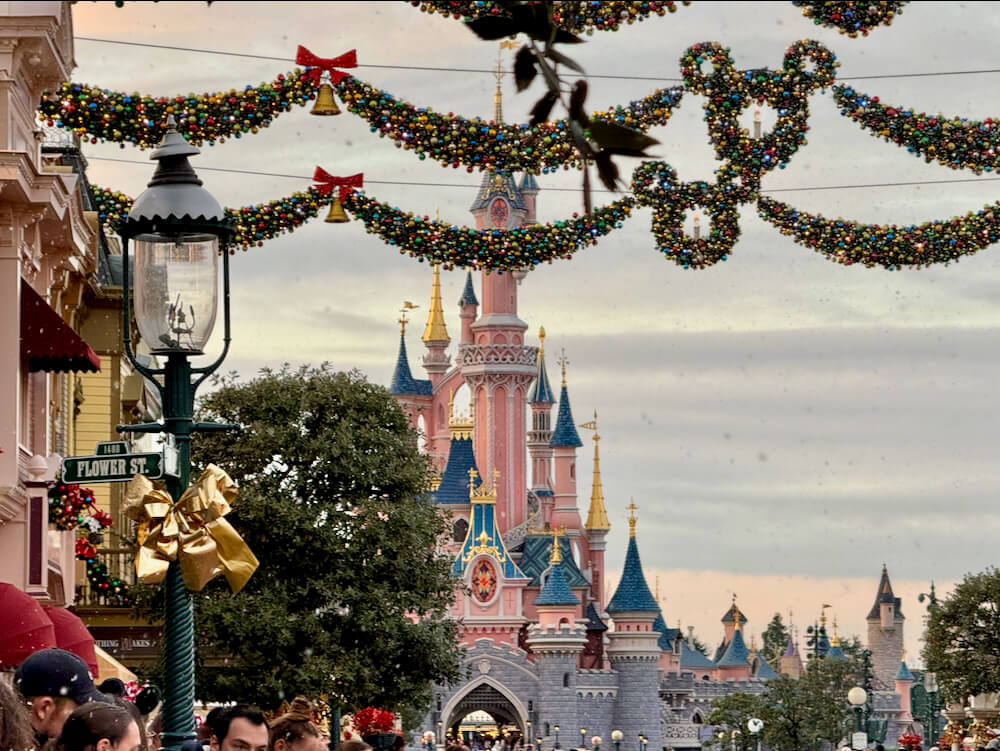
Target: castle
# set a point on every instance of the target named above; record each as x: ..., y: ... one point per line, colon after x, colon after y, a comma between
x: 545, y: 653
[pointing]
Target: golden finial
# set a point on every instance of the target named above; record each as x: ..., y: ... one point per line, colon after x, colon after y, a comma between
x: 541, y: 341
x: 556, y: 557
x: 403, y: 320
x: 753, y: 644
x: 835, y: 641
x: 657, y: 589
x: 436, y: 331
x: 507, y: 44
x: 597, y: 516
x: 902, y: 656
x: 632, y: 508
x: 563, y: 362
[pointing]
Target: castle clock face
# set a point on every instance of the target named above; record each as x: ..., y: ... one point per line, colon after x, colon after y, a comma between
x: 499, y: 212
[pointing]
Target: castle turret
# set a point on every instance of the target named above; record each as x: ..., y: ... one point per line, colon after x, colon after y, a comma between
x: 529, y: 190
x: 413, y: 394
x: 467, y: 306
x: 541, y: 401
x: 904, y: 682
x: 597, y: 526
x: 556, y: 642
x: 791, y: 660
x: 435, y: 338
x: 835, y: 652
x: 735, y: 662
x: 565, y: 441
x: 634, y: 651
x: 885, y: 632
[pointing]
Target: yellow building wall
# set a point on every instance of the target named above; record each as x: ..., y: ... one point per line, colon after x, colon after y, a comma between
x: 96, y: 420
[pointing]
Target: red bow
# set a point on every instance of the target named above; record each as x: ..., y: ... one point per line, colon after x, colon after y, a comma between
x: 327, y: 182
x: 318, y: 64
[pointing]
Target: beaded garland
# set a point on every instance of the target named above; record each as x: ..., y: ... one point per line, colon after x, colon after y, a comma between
x: 889, y: 246
x: 574, y: 16
x: 851, y: 17
x: 955, y: 142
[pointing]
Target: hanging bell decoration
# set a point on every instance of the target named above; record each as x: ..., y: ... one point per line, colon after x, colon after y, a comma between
x: 325, y: 103
x: 337, y: 214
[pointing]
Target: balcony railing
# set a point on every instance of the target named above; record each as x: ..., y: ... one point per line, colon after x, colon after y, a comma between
x: 120, y: 566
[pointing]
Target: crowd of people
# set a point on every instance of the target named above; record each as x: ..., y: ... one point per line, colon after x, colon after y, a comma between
x: 53, y: 705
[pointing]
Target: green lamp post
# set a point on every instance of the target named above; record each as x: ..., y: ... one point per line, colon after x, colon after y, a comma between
x: 857, y: 697
x: 617, y: 736
x: 178, y: 231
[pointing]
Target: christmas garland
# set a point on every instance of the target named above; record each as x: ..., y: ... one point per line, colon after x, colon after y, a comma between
x: 572, y: 16
x: 480, y: 144
x: 68, y: 505
x: 518, y: 248
x: 850, y: 17
x: 889, y: 246
x: 954, y: 142
x: 423, y: 238
x: 103, y: 115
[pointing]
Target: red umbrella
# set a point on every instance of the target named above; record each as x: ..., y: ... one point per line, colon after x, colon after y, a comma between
x: 73, y: 636
x: 24, y: 627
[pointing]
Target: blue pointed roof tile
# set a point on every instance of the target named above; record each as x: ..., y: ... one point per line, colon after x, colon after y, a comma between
x: 835, y: 653
x: 469, y: 293
x: 764, y: 670
x: 528, y: 183
x: 565, y: 433
x: 403, y: 381
x: 694, y: 659
x: 737, y: 654
x: 542, y: 392
x: 454, y: 487
x: 594, y: 622
x: 667, y: 634
x: 633, y: 593
x: 904, y: 673
x: 556, y: 591
x: 537, y: 552
x: 497, y: 184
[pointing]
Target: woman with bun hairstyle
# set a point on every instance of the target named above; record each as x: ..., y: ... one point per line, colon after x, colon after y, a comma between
x: 294, y: 730
x: 96, y: 726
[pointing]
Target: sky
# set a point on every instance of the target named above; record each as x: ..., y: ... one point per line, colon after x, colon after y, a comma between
x: 785, y: 424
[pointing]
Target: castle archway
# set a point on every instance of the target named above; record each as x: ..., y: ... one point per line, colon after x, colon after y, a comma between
x: 489, y: 696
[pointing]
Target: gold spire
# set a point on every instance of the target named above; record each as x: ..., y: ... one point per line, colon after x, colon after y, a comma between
x: 632, y: 508
x: 541, y: 342
x: 507, y: 44
x: 563, y: 362
x: 556, y: 557
x: 597, y: 516
x: 403, y: 320
x: 484, y: 493
x: 436, y: 331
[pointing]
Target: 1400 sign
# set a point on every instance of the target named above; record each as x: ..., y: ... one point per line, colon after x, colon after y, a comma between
x: 111, y: 464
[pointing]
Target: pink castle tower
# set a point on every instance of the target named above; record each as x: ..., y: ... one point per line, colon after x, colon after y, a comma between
x: 541, y: 433
x: 565, y: 441
x: 598, y: 525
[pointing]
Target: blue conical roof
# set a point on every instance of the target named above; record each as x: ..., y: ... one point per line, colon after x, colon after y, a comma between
x: 528, y: 183
x: 542, y: 392
x: 403, y: 381
x: 454, y: 487
x: 737, y: 654
x: 692, y: 658
x: 764, y: 670
x: 633, y: 592
x: 835, y: 653
x: 556, y: 591
x: 904, y: 673
x: 469, y: 293
x: 667, y: 634
x: 565, y: 433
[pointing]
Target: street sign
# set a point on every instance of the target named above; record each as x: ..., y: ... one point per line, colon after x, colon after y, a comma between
x: 111, y: 468
x: 111, y: 448
x: 859, y: 741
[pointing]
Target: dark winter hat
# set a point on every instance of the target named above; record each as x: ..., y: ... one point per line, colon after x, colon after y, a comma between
x: 56, y: 673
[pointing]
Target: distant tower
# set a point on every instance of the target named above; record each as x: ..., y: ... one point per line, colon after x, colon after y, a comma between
x: 556, y: 642
x: 735, y: 661
x: 634, y: 651
x: 565, y: 441
x: 597, y: 526
x: 435, y: 338
x: 885, y: 633
x: 541, y: 401
x: 791, y: 660
x: 904, y: 682
x: 413, y: 394
x: 467, y: 306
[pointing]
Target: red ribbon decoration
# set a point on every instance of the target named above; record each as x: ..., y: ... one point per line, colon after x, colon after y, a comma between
x: 327, y: 182
x: 317, y: 65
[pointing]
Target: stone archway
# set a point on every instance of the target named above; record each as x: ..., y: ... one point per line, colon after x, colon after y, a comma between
x: 485, y: 695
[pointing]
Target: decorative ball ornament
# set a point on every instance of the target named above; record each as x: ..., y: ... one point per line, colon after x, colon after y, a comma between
x: 851, y: 17
x: 955, y: 142
x: 574, y: 16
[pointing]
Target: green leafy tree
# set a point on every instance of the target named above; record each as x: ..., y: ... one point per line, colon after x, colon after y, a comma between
x: 350, y: 598
x: 775, y: 641
x: 731, y: 713
x: 962, y: 640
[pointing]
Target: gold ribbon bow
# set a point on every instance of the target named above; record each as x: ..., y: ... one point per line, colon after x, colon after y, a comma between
x: 190, y: 531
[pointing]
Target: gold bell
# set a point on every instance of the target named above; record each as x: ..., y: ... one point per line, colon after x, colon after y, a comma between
x: 325, y: 103
x: 337, y: 214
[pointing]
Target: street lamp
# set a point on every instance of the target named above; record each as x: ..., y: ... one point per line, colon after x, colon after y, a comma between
x: 440, y: 731
x: 527, y: 733
x: 643, y: 740
x: 556, y: 729
x: 616, y: 737
x: 178, y: 230
x: 583, y: 737
x: 931, y: 687
x: 755, y: 725
x: 857, y: 697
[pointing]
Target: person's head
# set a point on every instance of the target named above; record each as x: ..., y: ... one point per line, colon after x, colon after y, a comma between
x: 354, y: 744
x: 98, y: 726
x: 15, y: 726
x: 239, y: 728
x: 294, y: 730
x: 54, y: 682
x: 129, y: 707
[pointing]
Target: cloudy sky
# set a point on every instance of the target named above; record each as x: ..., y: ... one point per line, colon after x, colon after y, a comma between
x: 785, y: 424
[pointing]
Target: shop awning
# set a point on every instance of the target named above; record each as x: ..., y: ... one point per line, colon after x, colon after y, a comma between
x: 24, y: 626
x: 109, y: 667
x: 73, y: 636
x: 48, y: 342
